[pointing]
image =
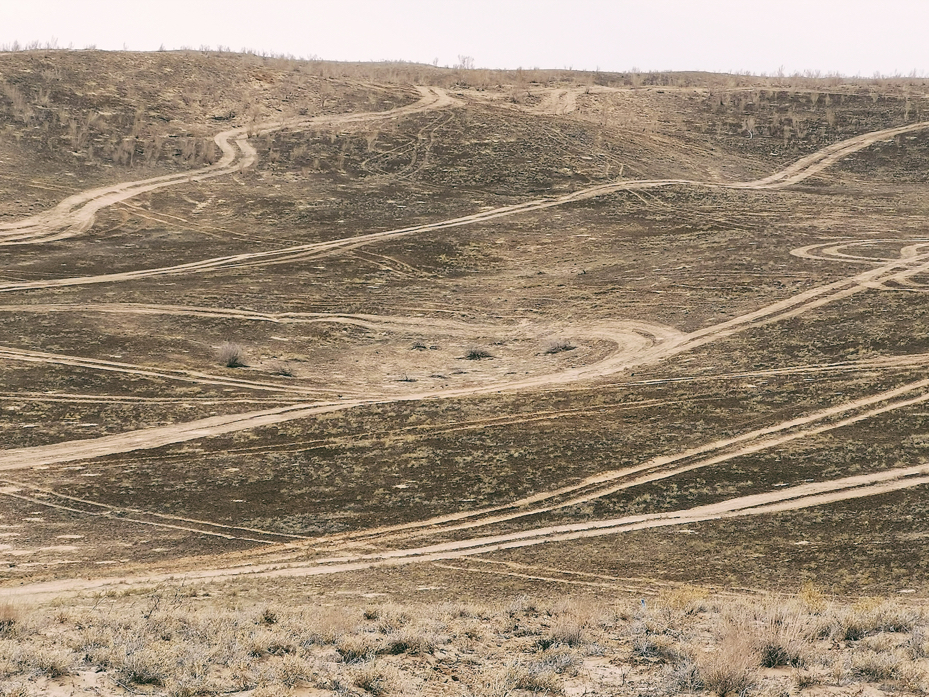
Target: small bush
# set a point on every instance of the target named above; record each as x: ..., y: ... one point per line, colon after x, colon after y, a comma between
x: 534, y: 677
x: 658, y: 646
x: 18, y: 690
x: 375, y: 678
x: 231, y: 355
x: 559, y: 347
x: 683, y: 676
x: 355, y: 649
x: 410, y: 640
x: 804, y: 678
x: 570, y: 631
x: 145, y: 667
x: 812, y: 597
x: 686, y: 600
x: 52, y: 662
x: 875, y: 665
x: 561, y: 660
x: 284, y: 370
x: 731, y: 669
x: 477, y: 354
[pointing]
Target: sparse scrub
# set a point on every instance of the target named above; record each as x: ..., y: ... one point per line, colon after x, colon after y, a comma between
x: 173, y: 647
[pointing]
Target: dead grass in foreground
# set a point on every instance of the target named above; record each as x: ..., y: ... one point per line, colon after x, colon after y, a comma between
x: 165, y: 642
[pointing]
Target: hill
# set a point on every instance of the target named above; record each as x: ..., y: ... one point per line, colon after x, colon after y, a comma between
x: 310, y: 331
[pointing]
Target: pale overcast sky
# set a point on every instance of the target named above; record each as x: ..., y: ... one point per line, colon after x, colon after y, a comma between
x: 852, y: 37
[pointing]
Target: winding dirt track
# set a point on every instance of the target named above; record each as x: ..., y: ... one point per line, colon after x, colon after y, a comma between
x: 76, y: 213
x: 636, y: 344
x: 804, y: 168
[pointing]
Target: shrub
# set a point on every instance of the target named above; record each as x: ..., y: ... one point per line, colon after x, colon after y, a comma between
x: 356, y: 648
x: 375, y: 678
x: 559, y: 347
x: 731, y: 669
x: 476, y: 354
x: 231, y: 355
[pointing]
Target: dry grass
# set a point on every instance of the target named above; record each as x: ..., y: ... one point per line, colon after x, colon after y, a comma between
x: 684, y: 641
x: 231, y: 355
x: 10, y: 616
x: 731, y: 668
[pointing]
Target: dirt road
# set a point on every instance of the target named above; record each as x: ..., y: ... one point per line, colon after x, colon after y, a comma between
x: 780, y: 500
x: 76, y: 213
x: 635, y: 343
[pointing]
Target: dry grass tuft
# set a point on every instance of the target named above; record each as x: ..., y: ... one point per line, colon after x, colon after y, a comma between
x: 10, y: 616
x: 376, y: 679
x: 231, y: 355
x: 477, y: 354
x: 731, y: 669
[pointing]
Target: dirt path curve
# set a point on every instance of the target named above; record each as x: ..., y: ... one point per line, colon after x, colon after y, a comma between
x: 633, y: 341
x: 804, y: 168
x: 637, y: 344
x: 76, y: 213
x: 777, y: 501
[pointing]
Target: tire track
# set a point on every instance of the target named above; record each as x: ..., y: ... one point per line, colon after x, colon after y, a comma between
x: 76, y: 213
x: 121, y: 513
x: 783, y: 500
x: 13, y: 354
x: 632, y: 340
x: 794, y: 174
x: 655, y: 469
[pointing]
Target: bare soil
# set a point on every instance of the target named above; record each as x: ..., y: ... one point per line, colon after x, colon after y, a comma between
x: 592, y: 324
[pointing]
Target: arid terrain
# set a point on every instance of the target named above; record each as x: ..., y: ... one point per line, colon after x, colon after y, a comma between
x: 528, y: 367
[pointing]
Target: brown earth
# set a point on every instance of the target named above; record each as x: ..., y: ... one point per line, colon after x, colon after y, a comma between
x: 554, y: 320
